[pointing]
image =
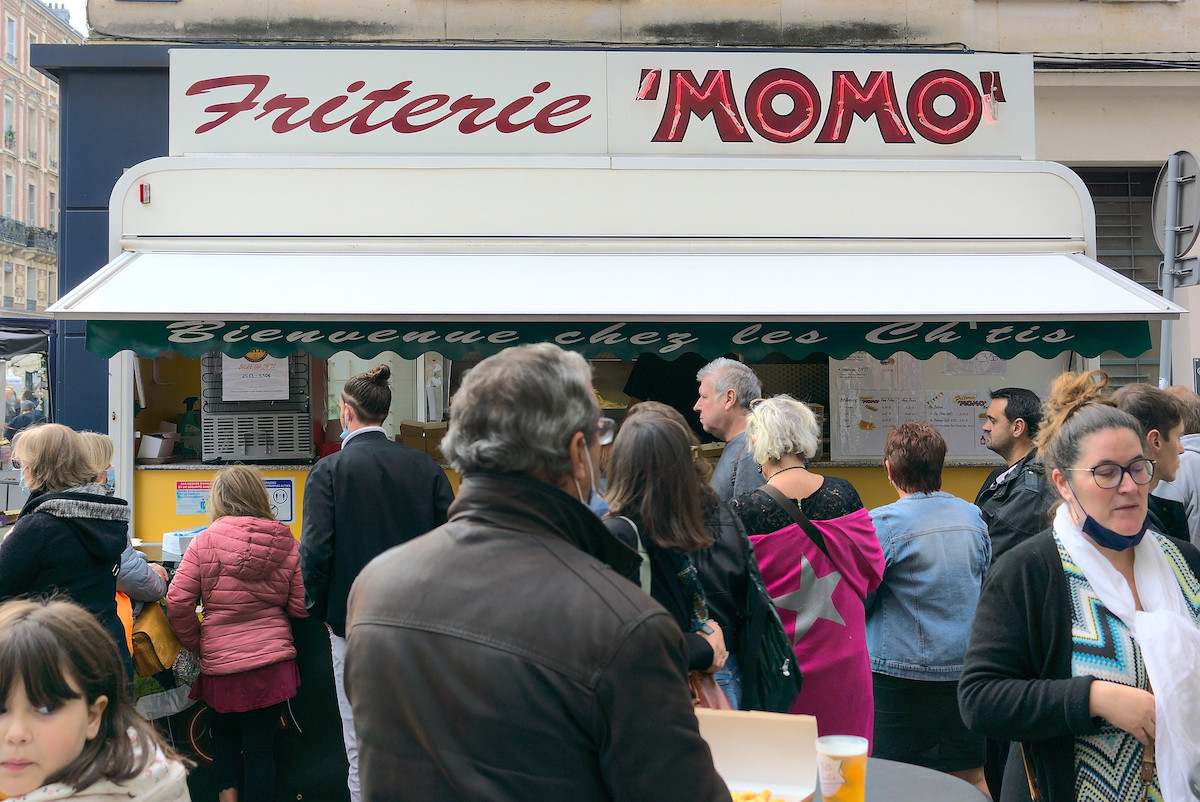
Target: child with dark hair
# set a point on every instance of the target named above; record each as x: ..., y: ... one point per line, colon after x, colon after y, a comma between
x: 67, y: 727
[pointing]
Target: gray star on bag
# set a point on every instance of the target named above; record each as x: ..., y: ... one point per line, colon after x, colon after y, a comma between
x: 812, y: 600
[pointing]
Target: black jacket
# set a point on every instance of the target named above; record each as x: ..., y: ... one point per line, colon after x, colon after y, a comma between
x: 1018, y: 508
x: 1168, y: 517
x: 358, y: 503
x: 502, y: 657
x: 71, y: 543
x: 725, y: 569
x: 1016, y: 683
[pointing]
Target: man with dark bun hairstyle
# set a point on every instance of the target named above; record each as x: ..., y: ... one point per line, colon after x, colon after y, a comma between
x: 359, y: 502
x: 1015, y: 499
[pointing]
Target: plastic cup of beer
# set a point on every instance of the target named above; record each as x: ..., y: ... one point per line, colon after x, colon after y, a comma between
x: 842, y: 768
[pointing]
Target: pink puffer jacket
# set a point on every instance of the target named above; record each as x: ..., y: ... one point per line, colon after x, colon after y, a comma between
x: 246, y: 573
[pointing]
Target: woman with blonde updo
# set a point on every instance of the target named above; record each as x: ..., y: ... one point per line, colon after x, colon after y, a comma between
x: 1086, y: 640
x: 70, y: 535
x: 818, y: 585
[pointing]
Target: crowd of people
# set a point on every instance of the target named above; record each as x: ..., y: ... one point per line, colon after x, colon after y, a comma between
x: 533, y: 636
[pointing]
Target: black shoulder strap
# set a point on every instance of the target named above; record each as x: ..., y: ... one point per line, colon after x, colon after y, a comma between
x: 799, y: 517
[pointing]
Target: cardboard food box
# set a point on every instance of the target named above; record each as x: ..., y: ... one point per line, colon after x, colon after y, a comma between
x: 426, y: 437
x: 159, y: 445
x: 753, y: 751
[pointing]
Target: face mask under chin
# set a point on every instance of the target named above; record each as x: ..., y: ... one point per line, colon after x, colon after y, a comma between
x: 1101, y: 535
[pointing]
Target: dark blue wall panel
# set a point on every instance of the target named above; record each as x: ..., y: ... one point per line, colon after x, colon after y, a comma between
x: 113, y: 102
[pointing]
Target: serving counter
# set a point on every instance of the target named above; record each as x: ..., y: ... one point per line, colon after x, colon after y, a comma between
x: 168, y: 495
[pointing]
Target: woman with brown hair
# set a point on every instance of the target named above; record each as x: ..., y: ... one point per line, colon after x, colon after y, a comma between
x: 244, y: 570
x: 654, y: 500
x: 1086, y: 643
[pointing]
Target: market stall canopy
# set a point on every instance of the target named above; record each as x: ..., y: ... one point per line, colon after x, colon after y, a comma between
x: 621, y: 303
x: 24, y: 337
x: 459, y: 254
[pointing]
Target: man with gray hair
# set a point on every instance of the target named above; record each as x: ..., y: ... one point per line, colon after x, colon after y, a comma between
x: 726, y: 389
x: 504, y: 656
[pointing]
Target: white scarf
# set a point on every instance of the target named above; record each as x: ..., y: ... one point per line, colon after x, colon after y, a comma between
x: 1167, y: 636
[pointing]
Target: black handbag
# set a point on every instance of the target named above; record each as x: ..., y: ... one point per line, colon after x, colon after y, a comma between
x: 770, y: 673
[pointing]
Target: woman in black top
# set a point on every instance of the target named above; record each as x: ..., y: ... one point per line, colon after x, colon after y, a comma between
x: 725, y: 567
x: 655, y: 508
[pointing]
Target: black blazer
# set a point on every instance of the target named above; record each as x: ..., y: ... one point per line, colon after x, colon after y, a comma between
x: 358, y: 503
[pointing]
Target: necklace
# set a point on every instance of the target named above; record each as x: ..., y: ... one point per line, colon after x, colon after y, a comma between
x: 782, y: 470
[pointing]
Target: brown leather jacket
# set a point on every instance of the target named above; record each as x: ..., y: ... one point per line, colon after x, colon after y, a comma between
x: 499, y: 657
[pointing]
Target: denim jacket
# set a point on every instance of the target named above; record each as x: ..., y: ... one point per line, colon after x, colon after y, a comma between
x: 936, y: 551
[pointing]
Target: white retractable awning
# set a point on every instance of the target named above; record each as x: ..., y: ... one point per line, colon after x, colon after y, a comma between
x: 464, y: 287
x: 620, y: 303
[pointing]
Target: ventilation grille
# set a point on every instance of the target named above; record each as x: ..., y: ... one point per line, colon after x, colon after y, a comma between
x: 257, y: 437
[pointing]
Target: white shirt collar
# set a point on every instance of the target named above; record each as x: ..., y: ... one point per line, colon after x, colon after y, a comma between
x: 361, y: 430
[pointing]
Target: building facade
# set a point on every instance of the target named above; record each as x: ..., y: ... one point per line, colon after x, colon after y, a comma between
x: 29, y: 158
x: 1115, y: 89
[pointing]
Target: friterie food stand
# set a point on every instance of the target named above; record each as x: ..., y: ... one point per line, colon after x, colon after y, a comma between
x: 774, y: 205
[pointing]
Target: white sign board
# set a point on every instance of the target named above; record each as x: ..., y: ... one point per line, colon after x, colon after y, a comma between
x: 261, y: 379
x: 597, y: 102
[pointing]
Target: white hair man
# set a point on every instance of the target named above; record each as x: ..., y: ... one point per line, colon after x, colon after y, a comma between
x: 726, y: 389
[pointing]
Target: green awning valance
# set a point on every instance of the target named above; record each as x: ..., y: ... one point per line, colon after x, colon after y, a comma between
x: 754, y: 340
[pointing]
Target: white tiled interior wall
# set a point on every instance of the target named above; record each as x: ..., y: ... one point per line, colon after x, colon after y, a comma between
x: 342, y: 366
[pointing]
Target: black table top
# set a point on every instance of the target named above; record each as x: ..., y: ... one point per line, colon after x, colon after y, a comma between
x: 889, y: 781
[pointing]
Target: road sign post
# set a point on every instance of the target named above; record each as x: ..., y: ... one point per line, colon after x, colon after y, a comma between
x: 1176, y: 215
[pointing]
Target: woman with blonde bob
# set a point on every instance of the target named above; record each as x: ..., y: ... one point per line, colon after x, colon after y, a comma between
x: 1086, y: 640
x: 819, y: 556
x: 244, y: 569
x: 70, y: 535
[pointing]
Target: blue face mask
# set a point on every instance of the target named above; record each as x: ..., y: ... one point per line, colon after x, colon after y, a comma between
x: 24, y: 489
x: 1103, y: 536
x: 598, y: 505
x: 345, y: 433
x: 110, y: 480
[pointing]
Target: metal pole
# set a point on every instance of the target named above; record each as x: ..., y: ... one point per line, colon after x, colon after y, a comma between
x: 1169, y: 234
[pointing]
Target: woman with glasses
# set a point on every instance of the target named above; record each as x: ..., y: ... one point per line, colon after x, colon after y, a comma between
x: 819, y: 556
x: 1085, y: 644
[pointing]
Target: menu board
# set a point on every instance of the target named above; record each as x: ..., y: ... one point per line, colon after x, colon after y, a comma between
x: 869, y: 396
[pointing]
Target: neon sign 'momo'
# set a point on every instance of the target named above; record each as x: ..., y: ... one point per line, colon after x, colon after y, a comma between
x: 849, y: 98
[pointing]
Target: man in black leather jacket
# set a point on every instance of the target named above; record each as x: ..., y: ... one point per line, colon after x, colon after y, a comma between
x: 1015, y: 500
x: 501, y: 656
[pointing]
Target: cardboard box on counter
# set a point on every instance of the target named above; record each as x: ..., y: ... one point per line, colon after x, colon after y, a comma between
x: 426, y: 437
x: 753, y: 750
x: 159, y: 445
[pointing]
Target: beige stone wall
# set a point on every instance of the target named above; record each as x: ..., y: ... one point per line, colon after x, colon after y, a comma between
x: 1021, y: 25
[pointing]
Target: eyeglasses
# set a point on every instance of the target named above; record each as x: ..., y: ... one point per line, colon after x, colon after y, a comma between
x: 1109, y: 475
x: 756, y: 402
x: 606, y: 430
